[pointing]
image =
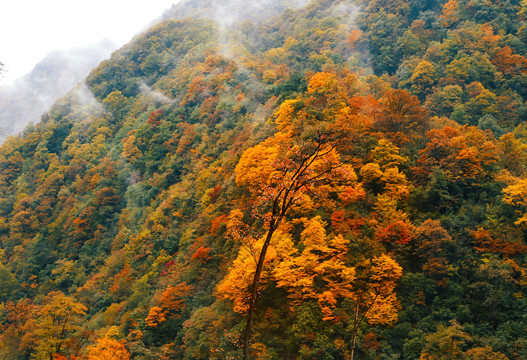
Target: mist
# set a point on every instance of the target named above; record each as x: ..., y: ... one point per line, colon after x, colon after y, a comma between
x: 25, y: 100
x: 230, y: 12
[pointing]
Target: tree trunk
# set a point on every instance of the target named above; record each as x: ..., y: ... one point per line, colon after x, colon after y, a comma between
x: 355, y: 328
x: 254, y: 290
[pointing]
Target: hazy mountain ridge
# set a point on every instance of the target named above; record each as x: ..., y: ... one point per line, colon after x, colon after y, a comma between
x: 30, y: 96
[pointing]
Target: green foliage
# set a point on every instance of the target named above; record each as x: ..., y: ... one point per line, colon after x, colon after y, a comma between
x: 124, y: 190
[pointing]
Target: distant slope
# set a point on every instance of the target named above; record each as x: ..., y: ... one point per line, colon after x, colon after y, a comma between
x: 228, y: 12
x: 31, y: 95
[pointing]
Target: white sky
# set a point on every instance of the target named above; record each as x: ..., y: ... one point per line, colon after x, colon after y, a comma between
x: 30, y: 29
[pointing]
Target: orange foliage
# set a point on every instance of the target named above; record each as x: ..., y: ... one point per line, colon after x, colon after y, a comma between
x: 463, y: 153
x: 321, y: 261
x: 396, y: 232
x: 351, y: 194
x: 450, y: 13
x: 170, y: 305
x: 156, y: 316
x: 217, y: 222
x: 187, y: 138
x: 509, y: 63
x: 354, y: 35
x: 201, y: 254
x: 322, y: 83
x: 236, y: 284
x: 122, y: 280
x: 487, y: 244
x: 380, y: 293
x: 108, y: 349
x: 172, y: 298
x: 345, y: 223
x: 402, y: 119
x: 82, y: 223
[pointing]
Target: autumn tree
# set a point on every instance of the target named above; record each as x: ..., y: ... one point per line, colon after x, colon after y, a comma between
x: 402, y: 119
x: 320, y: 271
x: 170, y: 305
x: 293, y: 167
x: 516, y: 195
x: 423, y: 79
x: 375, y: 295
x: 450, y: 14
x: 465, y: 154
x: 56, y: 320
x: 432, y: 246
x: 108, y: 347
x: 16, y: 329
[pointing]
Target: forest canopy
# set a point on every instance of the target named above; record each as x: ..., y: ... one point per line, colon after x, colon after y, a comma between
x: 342, y: 180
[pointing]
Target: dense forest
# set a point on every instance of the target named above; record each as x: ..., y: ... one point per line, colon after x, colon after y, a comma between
x: 349, y: 178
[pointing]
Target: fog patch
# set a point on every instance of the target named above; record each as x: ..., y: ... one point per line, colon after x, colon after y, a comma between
x: 84, y: 97
x: 155, y: 95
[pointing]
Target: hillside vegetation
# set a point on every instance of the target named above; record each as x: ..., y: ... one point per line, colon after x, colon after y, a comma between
x: 365, y: 161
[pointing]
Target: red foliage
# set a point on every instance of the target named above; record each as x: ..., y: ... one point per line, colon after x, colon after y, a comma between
x: 344, y: 223
x: 202, y: 254
x: 170, y: 263
x: 396, y: 232
x: 485, y: 243
x: 213, y: 196
x: 155, y: 118
x: 216, y: 223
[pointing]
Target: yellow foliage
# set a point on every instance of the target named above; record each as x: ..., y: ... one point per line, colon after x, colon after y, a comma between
x: 516, y: 195
x: 396, y: 184
x: 322, y: 83
x: 371, y: 173
x: 108, y: 349
x: 236, y: 284
x: 284, y: 114
x: 257, y: 164
x: 385, y: 272
x: 321, y: 261
x: 387, y: 155
x: 57, y: 319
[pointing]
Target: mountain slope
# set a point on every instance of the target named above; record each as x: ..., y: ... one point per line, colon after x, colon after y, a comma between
x: 144, y: 199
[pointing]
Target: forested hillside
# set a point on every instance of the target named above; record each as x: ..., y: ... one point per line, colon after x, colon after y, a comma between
x: 364, y: 161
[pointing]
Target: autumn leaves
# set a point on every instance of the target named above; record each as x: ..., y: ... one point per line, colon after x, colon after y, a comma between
x: 307, y: 166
